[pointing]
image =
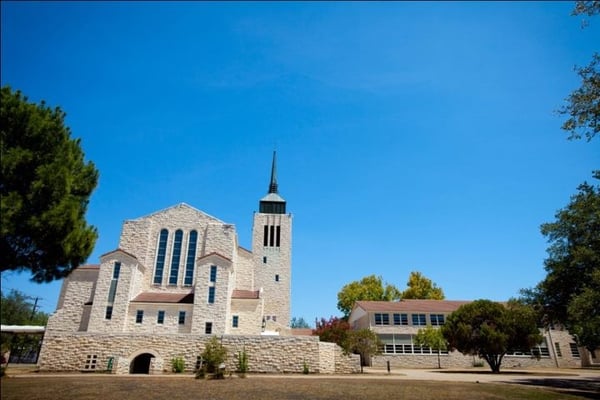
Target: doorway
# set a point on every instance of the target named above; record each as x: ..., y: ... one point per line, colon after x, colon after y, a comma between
x: 141, y: 364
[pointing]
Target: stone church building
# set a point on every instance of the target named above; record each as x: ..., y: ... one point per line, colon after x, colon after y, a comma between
x: 178, y: 277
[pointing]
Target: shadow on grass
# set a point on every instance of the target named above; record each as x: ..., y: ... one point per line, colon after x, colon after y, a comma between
x: 588, y: 388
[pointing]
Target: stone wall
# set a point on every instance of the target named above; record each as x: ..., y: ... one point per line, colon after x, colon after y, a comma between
x: 457, y: 360
x: 266, y: 354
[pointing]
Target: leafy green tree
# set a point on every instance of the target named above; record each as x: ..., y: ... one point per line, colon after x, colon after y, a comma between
x: 45, y: 186
x: 333, y: 330
x: 489, y: 330
x: 299, y: 323
x: 17, y: 308
x: 433, y: 338
x: 364, y: 342
x: 420, y: 287
x: 569, y: 292
x: 368, y: 288
x: 583, y: 104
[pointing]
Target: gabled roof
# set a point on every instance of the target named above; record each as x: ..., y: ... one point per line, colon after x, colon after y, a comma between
x: 245, y: 294
x: 155, y: 297
x: 214, y: 253
x: 180, y: 205
x: 410, y: 305
x: 118, y: 251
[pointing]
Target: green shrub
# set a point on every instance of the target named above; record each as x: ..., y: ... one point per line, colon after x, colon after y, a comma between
x: 242, y: 363
x: 177, y: 364
x: 305, y: 369
x: 213, y: 359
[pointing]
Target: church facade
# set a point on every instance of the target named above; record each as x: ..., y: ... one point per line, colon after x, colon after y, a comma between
x: 177, y: 278
x: 180, y: 270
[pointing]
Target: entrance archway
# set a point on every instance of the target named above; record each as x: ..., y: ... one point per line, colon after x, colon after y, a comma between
x: 141, y: 364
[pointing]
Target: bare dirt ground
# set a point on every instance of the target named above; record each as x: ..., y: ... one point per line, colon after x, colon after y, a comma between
x: 374, y: 384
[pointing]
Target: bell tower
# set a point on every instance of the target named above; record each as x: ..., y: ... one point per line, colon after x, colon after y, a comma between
x: 272, y: 247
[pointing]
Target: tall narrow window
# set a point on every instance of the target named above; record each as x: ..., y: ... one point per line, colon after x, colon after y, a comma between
x: 191, y: 259
x: 181, y: 317
x: 176, y: 256
x: 160, y: 256
x: 139, y: 316
x: 213, y: 273
x: 208, y: 328
x: 160, y: 319
x: 108, y: 314
x: 211, y: 295
x: 112, y: 291
x: 266, y: 236
x: 276, y: 278
x: 235, y: 321
x: 116, y: 270
x: 278, y: 238
x: 272, y: 236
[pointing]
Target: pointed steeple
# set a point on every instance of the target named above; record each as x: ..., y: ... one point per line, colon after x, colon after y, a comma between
x: 272, y: 203
x: 273, y: 184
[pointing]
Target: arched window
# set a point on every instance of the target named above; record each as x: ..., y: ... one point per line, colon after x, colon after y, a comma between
x: 176, y: 256
x: 191, y: 258
x: 160, y: 256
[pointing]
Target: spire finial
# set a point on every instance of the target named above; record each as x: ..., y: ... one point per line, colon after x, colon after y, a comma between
x: 273, y: 183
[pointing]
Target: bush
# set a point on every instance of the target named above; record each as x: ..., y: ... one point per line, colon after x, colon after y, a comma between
x: 242, y: 363
x: 213, y: 359
x: 305, y: 369
x: 177, y: 364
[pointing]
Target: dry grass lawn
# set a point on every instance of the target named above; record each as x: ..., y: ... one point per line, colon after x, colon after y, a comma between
x: 107, y: 387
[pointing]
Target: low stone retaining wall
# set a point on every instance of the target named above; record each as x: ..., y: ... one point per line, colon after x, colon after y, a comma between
x: 116, y: 352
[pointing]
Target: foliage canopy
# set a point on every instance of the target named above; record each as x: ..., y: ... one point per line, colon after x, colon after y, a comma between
x: 420, y: 287
x: 45, y: 186
x: 368, y: 288
x: 489, y: 330
x: 570, y: 292
x: 583, y: 104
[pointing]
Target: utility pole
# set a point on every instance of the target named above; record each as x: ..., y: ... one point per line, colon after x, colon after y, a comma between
x: 34, y: 307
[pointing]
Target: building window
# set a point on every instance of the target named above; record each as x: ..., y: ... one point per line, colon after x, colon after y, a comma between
x: 160, y: 256
x: 161, y: 317
x: 117, y: 270
x: 208, y: 328
x: 112, y: 291
x: 277, y: 240
x: 558, y: 350
x: 90, y: 362
x: 419, y: 319
x: 176, y: 257
x: 266, y: 236
x: 574, y: 350
x: 108, y: 314
x: 191, y: 257
x: 211, y: 295
x: 272, y: 236
x: 213, y: 273
x: 437, y: 319
x: 234, y: 322
x: 139, y: 316
x: 382, y: 319
x: 276, y: 278
x: 264, y: 259
x: 181, y: 317
x: 400, y: 319
x: 403, y: 344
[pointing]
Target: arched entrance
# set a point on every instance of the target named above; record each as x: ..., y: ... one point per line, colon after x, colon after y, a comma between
x: 141, y: 364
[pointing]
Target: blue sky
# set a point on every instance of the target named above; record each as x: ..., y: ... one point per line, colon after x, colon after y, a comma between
x: 410, y: 136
